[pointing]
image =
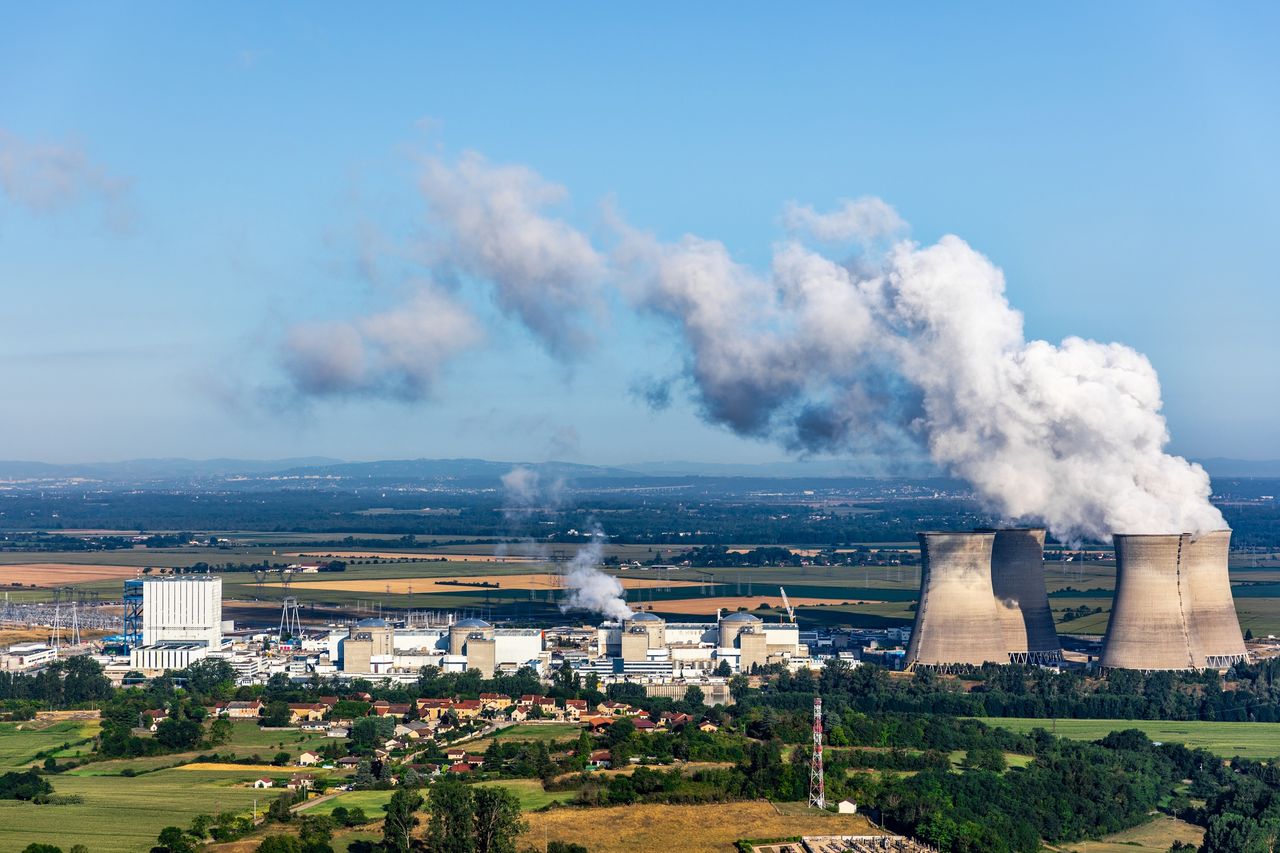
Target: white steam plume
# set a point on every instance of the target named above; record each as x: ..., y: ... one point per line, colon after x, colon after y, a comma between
x: 591, y: 589
x: 491, y: 222
x: 46, y: 177
x: 920, y: 345
x: 398, y: 353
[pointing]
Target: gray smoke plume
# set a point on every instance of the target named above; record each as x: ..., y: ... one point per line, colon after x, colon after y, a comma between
x: 591, y: 589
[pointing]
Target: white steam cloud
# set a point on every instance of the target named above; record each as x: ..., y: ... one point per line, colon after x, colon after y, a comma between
x: 47, y: 177
x: 398, y: 353
x: 524, y: 492
x: 490, y: 222
x: 921, y: 345
x: 591, y: 589
x: 904, y: 348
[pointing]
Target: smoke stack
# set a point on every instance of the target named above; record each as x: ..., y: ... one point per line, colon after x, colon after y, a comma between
x: 1215, y: 629
x: 1017, y: 579
x: 1149, y: 627
x: 956, y: 620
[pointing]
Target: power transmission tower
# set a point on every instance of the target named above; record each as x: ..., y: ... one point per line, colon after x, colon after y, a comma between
x: 290, y: 624
x: 817, y: 788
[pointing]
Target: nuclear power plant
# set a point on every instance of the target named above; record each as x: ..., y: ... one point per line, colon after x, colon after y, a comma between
x: 983, y: 600
x: 1173, y: 608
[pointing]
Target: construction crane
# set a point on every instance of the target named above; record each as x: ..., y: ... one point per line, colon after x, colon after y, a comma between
x: 786, y: 602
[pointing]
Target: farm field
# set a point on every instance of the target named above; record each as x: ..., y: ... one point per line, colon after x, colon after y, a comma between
x: 527, y: 732
x: 1157, y: 836
x: 540, y: 580
x: 371, y: 801
x: 1247, y: 740
x: 531, y: 794
x: 20, y: 742
x: 124, y: 815
x: 709, y: 828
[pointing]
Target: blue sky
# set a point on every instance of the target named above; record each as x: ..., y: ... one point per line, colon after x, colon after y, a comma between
x: 1117, y: 161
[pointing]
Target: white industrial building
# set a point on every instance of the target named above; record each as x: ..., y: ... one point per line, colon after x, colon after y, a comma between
x: 183, y: 608
x: 181, y: 621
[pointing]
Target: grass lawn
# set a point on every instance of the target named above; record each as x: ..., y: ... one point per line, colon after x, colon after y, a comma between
x: 1248, y: 740
x: 531, y: 794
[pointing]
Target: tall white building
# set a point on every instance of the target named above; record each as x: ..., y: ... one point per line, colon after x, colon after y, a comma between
x: 182, y: 609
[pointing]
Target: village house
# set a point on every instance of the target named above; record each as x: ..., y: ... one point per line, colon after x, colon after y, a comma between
x: 244, y: 710
x: 615, y: 709
x: 575, y: 709
x: 306, y: 712
x: 150, y: 720
x: 495, y: 701
x: 301, y: 782
x: 309, y: 759
x: 433, y: 709
x: 264, y: 782
x: 601, y: 759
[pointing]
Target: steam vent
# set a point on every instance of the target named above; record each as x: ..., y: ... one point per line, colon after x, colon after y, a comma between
x: 1017, y: 579
x: 957, y: 623
x: 1173, y: 607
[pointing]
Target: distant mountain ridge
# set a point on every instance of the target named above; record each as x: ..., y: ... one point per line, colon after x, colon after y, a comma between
x: 489, y: 471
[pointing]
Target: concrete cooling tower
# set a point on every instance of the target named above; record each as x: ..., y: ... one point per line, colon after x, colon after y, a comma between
x: 1173, y: 606
x: 1215, y: 629
x: 956, y: 623
x: 1017, y: 579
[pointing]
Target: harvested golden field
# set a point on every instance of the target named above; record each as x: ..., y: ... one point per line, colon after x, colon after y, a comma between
x: 709, y: 604
x: 1157, y: 836
x: 247, y: 768
x: 710, y: 828
x: 414, y: 555
x: 467, y: 583
x: 61, y: 574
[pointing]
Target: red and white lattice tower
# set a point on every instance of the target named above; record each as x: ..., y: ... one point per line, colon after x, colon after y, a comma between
x: 817, y: 789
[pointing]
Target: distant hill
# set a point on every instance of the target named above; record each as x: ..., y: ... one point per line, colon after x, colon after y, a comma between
x: 133, y: 470
x: 1219, y: 466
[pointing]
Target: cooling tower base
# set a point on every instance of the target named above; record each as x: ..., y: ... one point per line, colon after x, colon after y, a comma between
x: 1225, y: 661
x: 1049, y: 658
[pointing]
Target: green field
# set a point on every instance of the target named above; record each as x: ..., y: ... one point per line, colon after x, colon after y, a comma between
x: 371, y: 801
x: 528, y: 732
x: 1247, y: 740
x: 20, y: 742
x: 531, y: 794
x: 124, y: 815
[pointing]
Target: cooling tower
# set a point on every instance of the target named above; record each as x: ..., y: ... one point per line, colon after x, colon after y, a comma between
x: 956, y: 619
x: 1214, y: 627
x: 1149, y: 627
x: 1017, y: 579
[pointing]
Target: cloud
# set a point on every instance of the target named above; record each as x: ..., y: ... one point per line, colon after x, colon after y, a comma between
x: 490, y: 222
x: 863, y: 220
x: 49, y: 178
x: 399, y: 353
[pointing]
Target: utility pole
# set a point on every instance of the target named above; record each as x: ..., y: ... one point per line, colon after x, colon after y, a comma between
x: 817, y: 788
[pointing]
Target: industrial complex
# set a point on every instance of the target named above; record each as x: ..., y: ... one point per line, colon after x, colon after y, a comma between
x: 982, y: 600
